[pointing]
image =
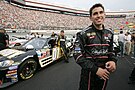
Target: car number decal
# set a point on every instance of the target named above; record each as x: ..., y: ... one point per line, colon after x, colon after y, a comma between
x: 56, y: 53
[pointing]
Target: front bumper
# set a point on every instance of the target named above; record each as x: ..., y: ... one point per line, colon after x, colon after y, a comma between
x: 8, y: 76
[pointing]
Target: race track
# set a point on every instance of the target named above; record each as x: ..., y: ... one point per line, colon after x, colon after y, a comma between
x: 65, y: 76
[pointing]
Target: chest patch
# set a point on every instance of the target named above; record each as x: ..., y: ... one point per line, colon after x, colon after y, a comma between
x: 107, y: 37
x: 91, y: 35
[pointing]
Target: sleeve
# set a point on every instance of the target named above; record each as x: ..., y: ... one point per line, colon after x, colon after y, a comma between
x: 7, y: 36
x: 81, y: 60
x: 58, y: 40
x: 118, y: 38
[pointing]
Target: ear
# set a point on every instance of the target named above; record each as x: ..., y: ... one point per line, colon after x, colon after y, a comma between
x: 105, y: 14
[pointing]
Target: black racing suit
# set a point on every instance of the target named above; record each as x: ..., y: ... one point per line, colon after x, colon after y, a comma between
x: 93, y: 50
x: 2, y: 41
x: 62, y: 44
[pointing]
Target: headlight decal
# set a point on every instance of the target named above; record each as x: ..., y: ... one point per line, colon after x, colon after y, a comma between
x: 6, y: 63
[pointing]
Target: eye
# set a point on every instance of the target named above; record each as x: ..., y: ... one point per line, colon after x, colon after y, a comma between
x: 95, y: 13
x: 101, y: 12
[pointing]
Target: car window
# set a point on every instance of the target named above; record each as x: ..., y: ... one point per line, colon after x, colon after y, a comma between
x: 37, y: 43
x: 12, y: 39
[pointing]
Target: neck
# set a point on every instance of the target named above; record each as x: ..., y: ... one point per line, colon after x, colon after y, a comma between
x: 98, y: 27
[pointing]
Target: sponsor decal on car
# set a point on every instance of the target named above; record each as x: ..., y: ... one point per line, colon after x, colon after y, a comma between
x: 38, y: 53
x: 14, y: 76
x: 14, y: 80
x: 13, y: 67
x: 11, y: 75
x: 43, y: 53
x: 12, y: 71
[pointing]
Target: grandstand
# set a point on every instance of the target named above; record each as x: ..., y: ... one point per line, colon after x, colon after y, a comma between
x: 33, y: 15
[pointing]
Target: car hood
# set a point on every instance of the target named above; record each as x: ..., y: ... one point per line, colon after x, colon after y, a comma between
x: 10, y: 53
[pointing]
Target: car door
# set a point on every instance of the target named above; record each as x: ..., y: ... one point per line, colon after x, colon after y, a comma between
x: 44, y: 55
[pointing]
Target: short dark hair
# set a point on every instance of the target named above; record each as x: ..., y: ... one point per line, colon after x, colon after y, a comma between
x: 62, y: 31
x: 94, y: 6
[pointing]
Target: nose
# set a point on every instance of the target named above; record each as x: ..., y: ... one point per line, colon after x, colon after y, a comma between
x: 99, y: 14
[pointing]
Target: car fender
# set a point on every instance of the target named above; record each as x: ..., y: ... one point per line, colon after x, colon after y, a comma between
x: 21, y: 58
x: 25, y: 58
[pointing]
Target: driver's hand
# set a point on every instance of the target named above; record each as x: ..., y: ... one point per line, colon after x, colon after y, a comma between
x: 103, y: 73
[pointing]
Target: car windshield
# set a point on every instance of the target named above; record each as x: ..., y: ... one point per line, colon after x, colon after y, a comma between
x: 69, y: 35
x: 37, y: 43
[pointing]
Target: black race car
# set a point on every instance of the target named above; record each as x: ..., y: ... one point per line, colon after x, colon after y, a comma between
x: 21, y: 62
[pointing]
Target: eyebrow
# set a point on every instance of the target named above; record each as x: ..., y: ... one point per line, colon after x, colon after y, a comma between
x: 97, y: 12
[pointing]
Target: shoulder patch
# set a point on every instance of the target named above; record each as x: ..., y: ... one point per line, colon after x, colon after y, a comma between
x: 110, y: 31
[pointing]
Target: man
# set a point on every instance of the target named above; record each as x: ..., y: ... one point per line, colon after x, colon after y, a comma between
x: 4, y: 40
x: 61, y: 43
x: 53, y: 34
x: 7, y: 38
x: 127, y: 43
x: 53, y: 40
x: 132, y: 75
x: 121, y: 39
x: 133, y: 45
x: 96, y: 56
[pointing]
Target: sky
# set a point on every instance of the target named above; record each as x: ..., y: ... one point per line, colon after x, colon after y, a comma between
x: 110, y: 5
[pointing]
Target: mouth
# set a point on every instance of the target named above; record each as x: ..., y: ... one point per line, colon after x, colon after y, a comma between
x: 99, y: 20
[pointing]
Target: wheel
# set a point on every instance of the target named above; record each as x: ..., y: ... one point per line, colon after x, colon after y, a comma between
x: 27, y: 69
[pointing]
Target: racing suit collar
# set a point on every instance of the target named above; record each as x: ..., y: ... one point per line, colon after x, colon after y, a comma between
x: 96, y: 28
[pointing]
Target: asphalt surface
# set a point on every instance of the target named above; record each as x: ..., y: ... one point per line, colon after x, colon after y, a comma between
x: 66, y: 76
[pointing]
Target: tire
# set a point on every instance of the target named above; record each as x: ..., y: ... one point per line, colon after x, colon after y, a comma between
x: 27, y: 69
